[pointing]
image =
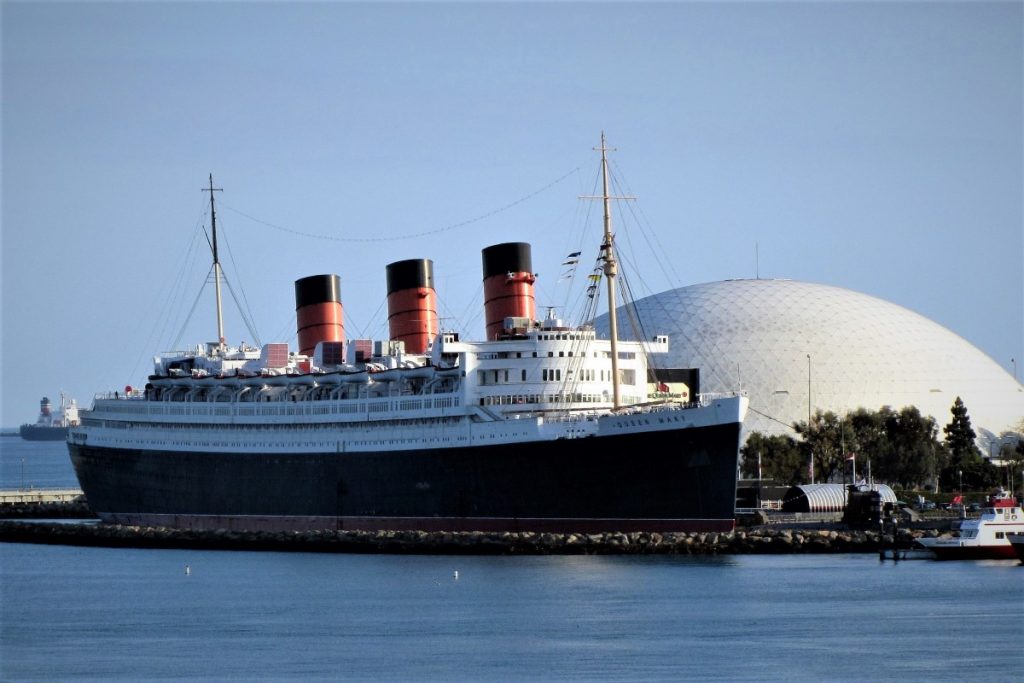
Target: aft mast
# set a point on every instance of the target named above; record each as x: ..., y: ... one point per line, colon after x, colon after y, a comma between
x: 611, y: 269
x: 216, y: 263
x: 610, y: 272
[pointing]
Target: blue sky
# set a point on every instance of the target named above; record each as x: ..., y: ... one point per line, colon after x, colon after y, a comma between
x: 874, y: 146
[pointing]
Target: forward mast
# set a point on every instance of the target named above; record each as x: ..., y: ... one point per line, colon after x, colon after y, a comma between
x: 216, y: 264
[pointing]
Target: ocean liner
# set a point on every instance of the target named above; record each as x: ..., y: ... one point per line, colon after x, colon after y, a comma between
x: 540, y: 427
x: 51, y: 426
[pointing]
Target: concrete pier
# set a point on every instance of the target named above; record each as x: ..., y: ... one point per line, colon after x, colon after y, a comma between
x: 43, y: 504
x: 19, y: 496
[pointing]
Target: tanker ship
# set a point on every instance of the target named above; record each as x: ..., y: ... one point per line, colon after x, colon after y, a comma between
x: 541, y: 426
x: 51, y: 426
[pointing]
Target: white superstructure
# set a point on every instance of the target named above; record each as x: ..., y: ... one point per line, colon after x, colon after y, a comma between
x: 550, y: 382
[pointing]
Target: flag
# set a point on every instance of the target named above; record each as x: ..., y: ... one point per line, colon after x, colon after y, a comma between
x: 662, y: 387
x: 851, y: 456
x: 574, y: 254
x: 594, y: 278
x: 570, y: 262
x: 958, y: 499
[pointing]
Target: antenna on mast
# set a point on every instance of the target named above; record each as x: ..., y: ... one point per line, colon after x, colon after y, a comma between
x: 216, y: 262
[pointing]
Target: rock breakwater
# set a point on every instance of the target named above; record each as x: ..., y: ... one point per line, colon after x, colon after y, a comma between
x: 75, y: 509
x: 746, y: 541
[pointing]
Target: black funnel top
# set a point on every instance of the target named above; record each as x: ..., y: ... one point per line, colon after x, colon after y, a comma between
x: 317, y: 289
x: 411, y: 274
x: 510, y: 257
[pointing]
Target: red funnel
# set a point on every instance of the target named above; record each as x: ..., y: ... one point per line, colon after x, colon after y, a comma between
x: 412, y: 303
x: 508, y: 286
x: 318, y: 311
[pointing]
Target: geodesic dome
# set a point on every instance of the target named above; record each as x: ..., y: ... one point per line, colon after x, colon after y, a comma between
x: 756, y: 335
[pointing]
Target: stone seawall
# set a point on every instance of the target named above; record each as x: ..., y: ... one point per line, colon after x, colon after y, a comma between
x: 745, y: 541
x: 75, y: 509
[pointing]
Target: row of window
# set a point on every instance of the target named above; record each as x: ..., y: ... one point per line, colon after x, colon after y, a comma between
x: 623, y: 355
x: 626, y: 376
x: 522, y: 399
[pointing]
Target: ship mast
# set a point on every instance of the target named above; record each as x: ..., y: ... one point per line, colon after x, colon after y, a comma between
x: 611, y: 268
x: 610, y: 272
x: 216, y: 263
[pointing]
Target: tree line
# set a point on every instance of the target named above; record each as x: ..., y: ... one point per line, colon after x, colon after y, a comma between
x: 903, y: 447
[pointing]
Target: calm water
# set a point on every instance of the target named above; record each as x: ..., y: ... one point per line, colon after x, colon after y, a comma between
x: 127, y: 615
x: 112, y: 614
x: 35, y: 464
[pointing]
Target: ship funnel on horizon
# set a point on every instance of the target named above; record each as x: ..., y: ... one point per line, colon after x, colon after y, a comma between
x: 412, y: 303
x: 318, y: 311
x: 508, y: 286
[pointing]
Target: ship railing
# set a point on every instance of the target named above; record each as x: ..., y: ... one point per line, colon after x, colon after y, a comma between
x: 118, y: 395
x: 708, y: 398
x: 591, y: 414
x: 571, y: 417
x: 436, y: 405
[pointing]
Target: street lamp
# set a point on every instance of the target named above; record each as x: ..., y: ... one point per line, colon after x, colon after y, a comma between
x: 808, y: 390
x: 809, y: 413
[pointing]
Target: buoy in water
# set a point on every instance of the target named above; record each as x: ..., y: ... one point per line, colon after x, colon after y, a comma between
x: 188, y: 570
x: 455, y: 575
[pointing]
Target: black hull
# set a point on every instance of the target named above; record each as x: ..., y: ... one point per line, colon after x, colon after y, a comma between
x: 680, y: 480
x: 41, y: 433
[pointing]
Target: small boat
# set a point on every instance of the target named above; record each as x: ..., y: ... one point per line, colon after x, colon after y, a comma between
x: 984, y: 538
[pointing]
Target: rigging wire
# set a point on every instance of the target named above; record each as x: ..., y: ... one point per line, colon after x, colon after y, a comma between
x: 773, y: 419
x: 172, y: 299
x: 246, y: 311
x: 672, y: 277
x: 175, y: 300
x: 470, y: 314
x: 245, y: 318
x: 579, y: 307
x: 193, y: 309
x: 289, y: 331
x: 644, y: 224
x: 363, y: 331
x: 395, y: 238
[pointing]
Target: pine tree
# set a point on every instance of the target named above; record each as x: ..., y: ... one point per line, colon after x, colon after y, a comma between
x: 966, y: 462
x: 960, y: 436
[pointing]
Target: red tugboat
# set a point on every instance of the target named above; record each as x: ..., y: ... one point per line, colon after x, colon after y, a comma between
x: 984, y: 538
